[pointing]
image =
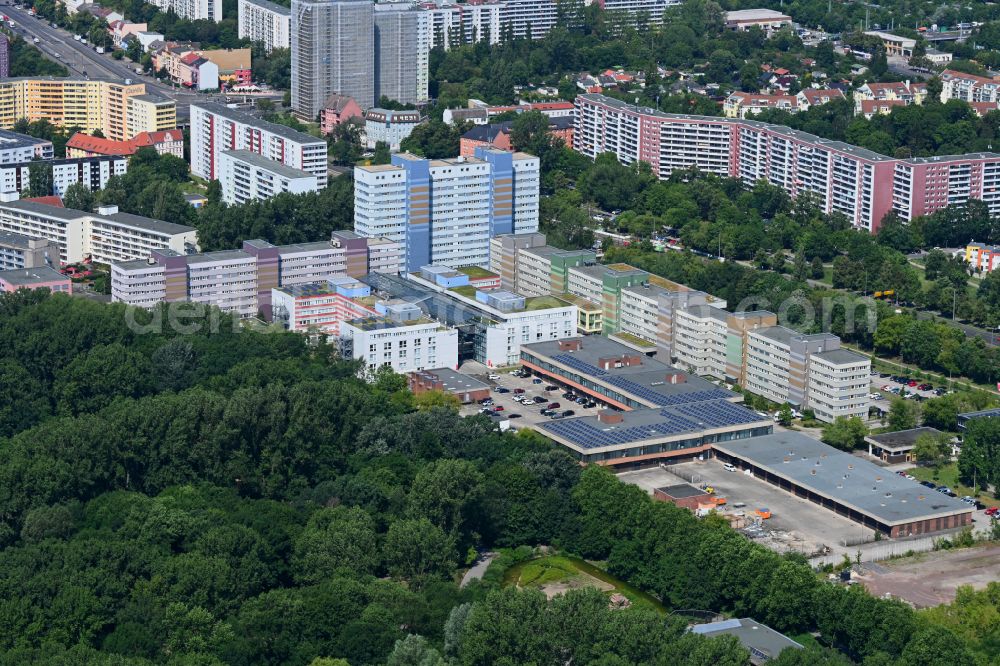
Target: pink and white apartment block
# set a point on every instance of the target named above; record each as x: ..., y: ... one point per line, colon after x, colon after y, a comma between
x: 861, y: 184
x: 216, y: 128
x: 322, y: 306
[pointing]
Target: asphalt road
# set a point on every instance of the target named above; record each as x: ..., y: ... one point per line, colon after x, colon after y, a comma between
x: 60, y: 46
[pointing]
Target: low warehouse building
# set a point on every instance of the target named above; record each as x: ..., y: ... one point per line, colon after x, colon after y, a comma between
x: 684, y: 495
x: 897, y: 447
x: 467, y: 389
x: 846, y: 484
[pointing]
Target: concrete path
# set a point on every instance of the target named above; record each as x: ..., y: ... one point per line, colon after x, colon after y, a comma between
x: 478, y: 569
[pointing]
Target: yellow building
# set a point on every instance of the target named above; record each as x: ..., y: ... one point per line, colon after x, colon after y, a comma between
x: 118, y: 110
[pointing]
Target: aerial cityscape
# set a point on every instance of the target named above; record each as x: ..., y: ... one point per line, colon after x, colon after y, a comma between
x: 499, y: 332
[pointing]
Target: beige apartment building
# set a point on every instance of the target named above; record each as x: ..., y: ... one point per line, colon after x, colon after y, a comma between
x: 120, y: 110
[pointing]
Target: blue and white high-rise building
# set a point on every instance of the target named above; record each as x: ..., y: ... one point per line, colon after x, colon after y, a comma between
x: 445, y: 211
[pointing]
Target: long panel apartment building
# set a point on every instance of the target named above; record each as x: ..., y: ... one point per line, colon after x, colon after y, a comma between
x: 862, y: 185
x: 216, y: 128
x: 446, y: 211
x: 245, y: 176
x: 16, y: 148
x: 194, y: 10
x: 120, y: 110
x: 104, y: 237
x: 91, y: 172
x: 238, y: 281
x: 18, y: 251
x: 264, y: 22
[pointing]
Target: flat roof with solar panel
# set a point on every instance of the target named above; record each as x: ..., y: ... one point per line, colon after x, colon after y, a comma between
x: 666, y: 430
x: 618, y: 372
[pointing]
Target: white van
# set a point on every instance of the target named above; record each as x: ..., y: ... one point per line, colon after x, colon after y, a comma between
x: 729, y: 467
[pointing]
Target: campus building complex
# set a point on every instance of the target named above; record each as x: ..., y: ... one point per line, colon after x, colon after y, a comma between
x: 104, y: 237
x: 120, y: 110
x: 860, y: 184
x: 216, y: 129
x: 265, y: 22
x: 400, y: 337
x: 446, y: 211
x: 492, y: 325
x: 238, y: 281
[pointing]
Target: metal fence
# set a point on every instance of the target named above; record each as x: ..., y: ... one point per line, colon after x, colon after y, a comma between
x: 878, y: 551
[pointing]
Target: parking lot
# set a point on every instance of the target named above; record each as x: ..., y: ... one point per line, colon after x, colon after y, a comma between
x: 796, y: 524
x: 528, y: 415
x: 879, y: 384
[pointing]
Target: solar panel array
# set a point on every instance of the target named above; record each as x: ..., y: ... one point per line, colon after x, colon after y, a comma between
x: 717, y: 413
x: 590, y: 437
x: 577, y: 364
x: 646, y: 393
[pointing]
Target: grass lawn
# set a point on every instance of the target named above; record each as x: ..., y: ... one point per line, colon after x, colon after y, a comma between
x: 466, y: 290
x: 573, y: 572
x: 947, y: 475
x: 476, y: 272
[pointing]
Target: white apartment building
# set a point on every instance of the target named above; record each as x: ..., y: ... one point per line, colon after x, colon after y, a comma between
x: 265, y: 22
x: 17, y: 251
x: 105, y: 236
x: 699, y: 340
x: 968, y: 87
x: 807, y: 371
x: 445, y: 211
x: 227, y: 279
x: 384, y: 256
x: 192, y: 9
x: 17, y: 148
x: 649, y: 310
x: 652, y: 10
x: 586, y: 282
x: 216, y: 129
x: 839, y: 383
x: 534, y: 270
x: 389, y: 127
x: 92, y: 172
x: 453, y: 24
x: 245, y: 176
x: 405, y: 346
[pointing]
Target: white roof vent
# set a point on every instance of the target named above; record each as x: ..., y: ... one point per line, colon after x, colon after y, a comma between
x: 107, y: 210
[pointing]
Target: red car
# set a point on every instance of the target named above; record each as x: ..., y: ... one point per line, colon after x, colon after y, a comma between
x: 992, y: 511
x: 912, y: 382
x: 518, y: 391
x: 498, y: 408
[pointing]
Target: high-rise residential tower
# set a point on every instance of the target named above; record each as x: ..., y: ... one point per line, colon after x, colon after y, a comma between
x: 333, y: 51
x: 402, y: 51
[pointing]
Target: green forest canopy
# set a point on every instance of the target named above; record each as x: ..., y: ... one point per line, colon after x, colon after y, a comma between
x: 235, y: 497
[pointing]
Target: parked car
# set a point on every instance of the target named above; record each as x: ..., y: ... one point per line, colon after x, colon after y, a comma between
x: 536, y: 380
x: 886, y: 388
x: 729, y: 467
x: 569, y: 412
x: 943, y: 489
x: 546, y: 412
x: 875, y: 396
x: 992, y: 511
x: 518, y: 391
x: 551, y: 387
x: 498, y: 408
x: 493, y: 377
x: 514, y: 415
x: 911, y: 477
x: 484, y: 401
x: 568, y: 396
x: 557, y: 416
x: 911, y: 383
x: 554, y: 405
x: 501, y: 389
x: 925, y: 387
x: 590, y: 403
x: 581, y: 400
x: 538, y: 399
x: 928, y: 484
